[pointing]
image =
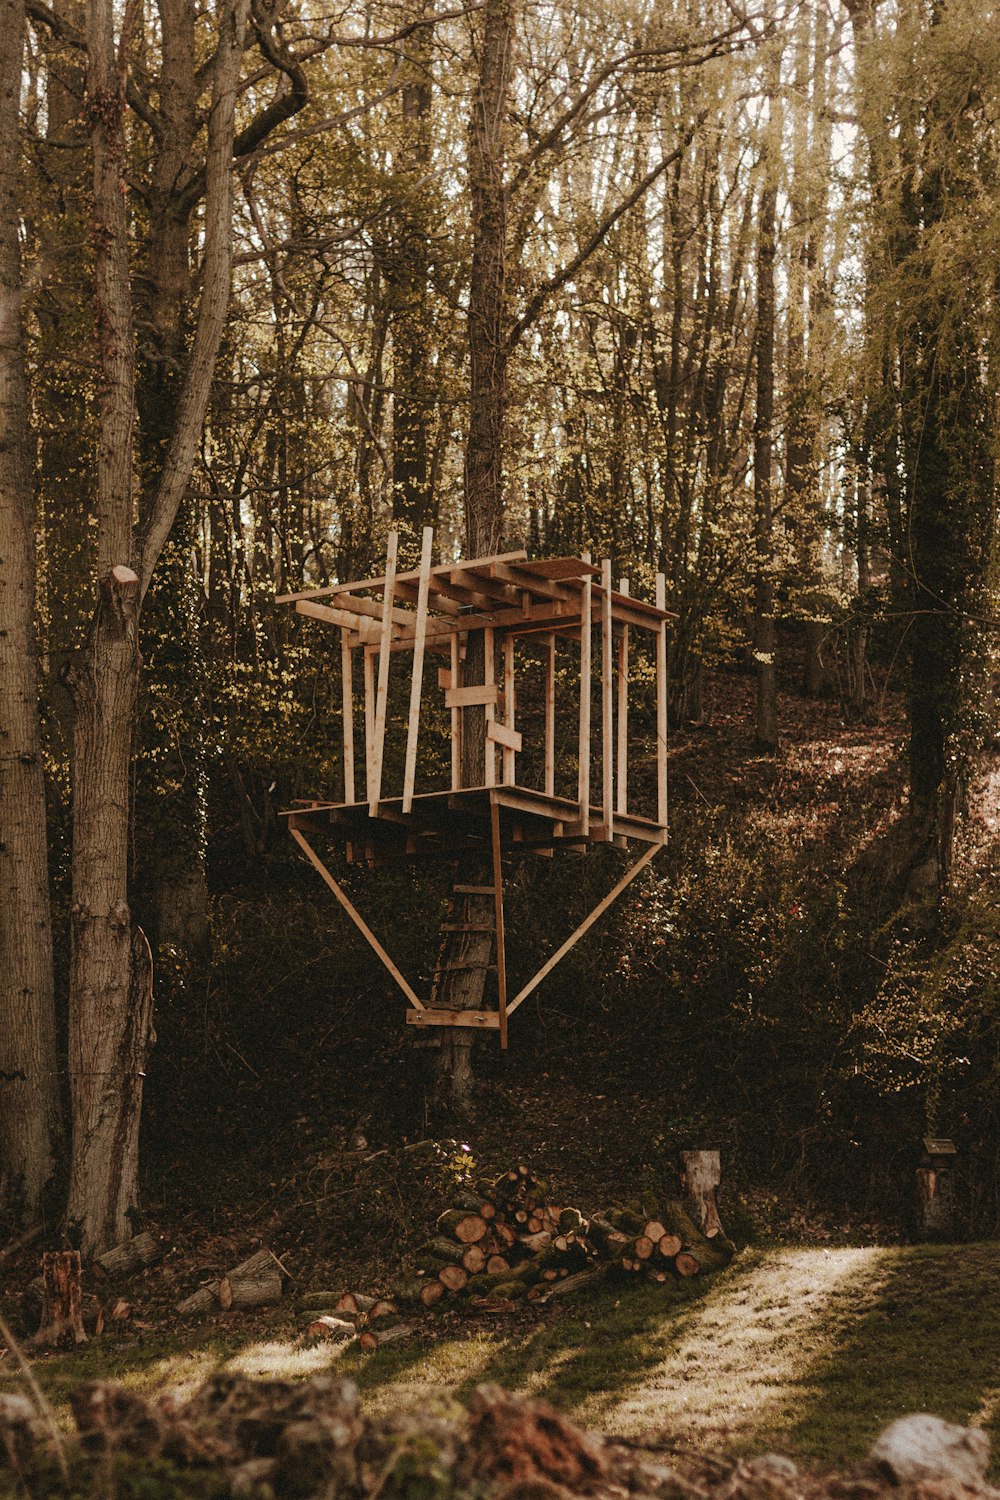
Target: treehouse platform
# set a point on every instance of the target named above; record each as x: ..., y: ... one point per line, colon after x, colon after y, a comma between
x: 490, y: 619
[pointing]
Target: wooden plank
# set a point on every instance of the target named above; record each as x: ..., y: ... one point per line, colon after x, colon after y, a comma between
x: 347, y: 708
x: 456, y: 717
x: 585, y: 925
x: 607, y: 708
x: 583, y: 752
x: 661, y: 705
x: 383, y: 674
x: 361, y: 584
x: 371, y: 609
x: 550, y: 716
x: 446, y: 678
x: 510, y: 739
x: 533, y: 583
x: 369, y: 718
x: 473, y: 890
x: 622, y: 756
x: 471, y: 697
x: 417, y: 676
x: 485, y: 1019
x: 512, y: 743
x: 355, y: 916
x: 498, y: 913
x: 489, y: 674
x: 366, y: 631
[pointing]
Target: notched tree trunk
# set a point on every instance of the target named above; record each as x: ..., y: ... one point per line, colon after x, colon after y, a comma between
x: 110, y: 962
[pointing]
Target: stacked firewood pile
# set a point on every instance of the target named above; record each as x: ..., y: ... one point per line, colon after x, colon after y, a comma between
x: 510, y: 1241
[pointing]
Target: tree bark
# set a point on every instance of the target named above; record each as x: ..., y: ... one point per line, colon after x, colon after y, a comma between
x: 765, y: 637
x: 110, y: 975
x: 29, y: 1112
x: 488, y: 350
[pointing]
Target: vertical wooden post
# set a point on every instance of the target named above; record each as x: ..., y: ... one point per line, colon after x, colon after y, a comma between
x: 607, y: 707
x: 550, y: 717
x: 369, y: 660
x: 661, y: 704
x: 498, y: 911
x: 489, y: 680
x: 509, y: 708
x: 456, y: 715
x: 384, y: 658
x: 417, y: 677
x: 347, y: 706
x: 583, y: 780
x: 622, y: 805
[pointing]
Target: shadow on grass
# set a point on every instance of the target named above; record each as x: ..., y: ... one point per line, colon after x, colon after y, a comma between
x: 929, y: 1341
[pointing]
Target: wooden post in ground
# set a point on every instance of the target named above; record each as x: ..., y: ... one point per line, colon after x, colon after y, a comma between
x: 607, y: 707
x: 369, y: 663
x: 489, y: 710
x: 550, y: 716
x: 702, y: 1173
x: 622, y: 758
x: 661, y: 704
x: 583, y: 779
x: 347, y: 703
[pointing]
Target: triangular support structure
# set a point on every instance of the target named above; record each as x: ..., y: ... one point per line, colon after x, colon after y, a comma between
x: 420, y: 1014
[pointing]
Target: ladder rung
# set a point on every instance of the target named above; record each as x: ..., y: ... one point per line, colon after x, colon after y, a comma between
x: 467, y: 927
x: 455, y: 968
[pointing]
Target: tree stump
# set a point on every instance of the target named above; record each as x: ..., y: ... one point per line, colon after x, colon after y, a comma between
x: 62, y: 1306
x: 702, y: 1175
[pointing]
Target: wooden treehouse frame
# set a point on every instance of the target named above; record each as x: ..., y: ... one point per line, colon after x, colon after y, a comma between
x: 435, y: 609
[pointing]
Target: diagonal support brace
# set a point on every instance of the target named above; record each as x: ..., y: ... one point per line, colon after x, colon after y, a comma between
x: 354, y: 915
x: 585, y: 925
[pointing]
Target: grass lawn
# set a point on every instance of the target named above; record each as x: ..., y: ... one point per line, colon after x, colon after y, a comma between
x: 811, y: 1351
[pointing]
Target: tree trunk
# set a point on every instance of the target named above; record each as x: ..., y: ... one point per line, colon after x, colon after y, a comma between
x: 484, y: 499
x: 110, y: 968
x: 409, y: 275
x: 29, y: 1111
x: 765, y: 638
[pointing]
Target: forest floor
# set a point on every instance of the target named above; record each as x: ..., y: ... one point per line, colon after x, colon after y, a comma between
x: 808, y: 1351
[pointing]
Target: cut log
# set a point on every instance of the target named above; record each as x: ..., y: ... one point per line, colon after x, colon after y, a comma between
x: 142, y: 1250
x: 382, y: 1309
x: 453, y: 1278
x: 440, y: 1249
x: 472, y: 1203
x: 62, y: 1308
x: 431, y: 1292
x: 572, y: 1284
x: 467, y: 1228
x: 536, y: 1242
x: 702, y: 1175
x: 474, y: 1259
x: 643, y: 1248
x: 355, y: 1302
x: 669, y: 1245
x: 337, y: 1330
x: 686, y: 1264
x: 370, y: 1341
x: 497, y: 1265
x: 201, y: 1301
x: 571, y: 1221
x: 654, y: 1230
x: 504, y: 1234
x: 255, y: 1282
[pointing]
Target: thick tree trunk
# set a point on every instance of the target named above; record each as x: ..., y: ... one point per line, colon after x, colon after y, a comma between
x: 461, y: 988
x: 111, y: 972
x: 409, y: 274
x: 484, y: 499
x: 28, y: 1093
x: 765, y: 638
